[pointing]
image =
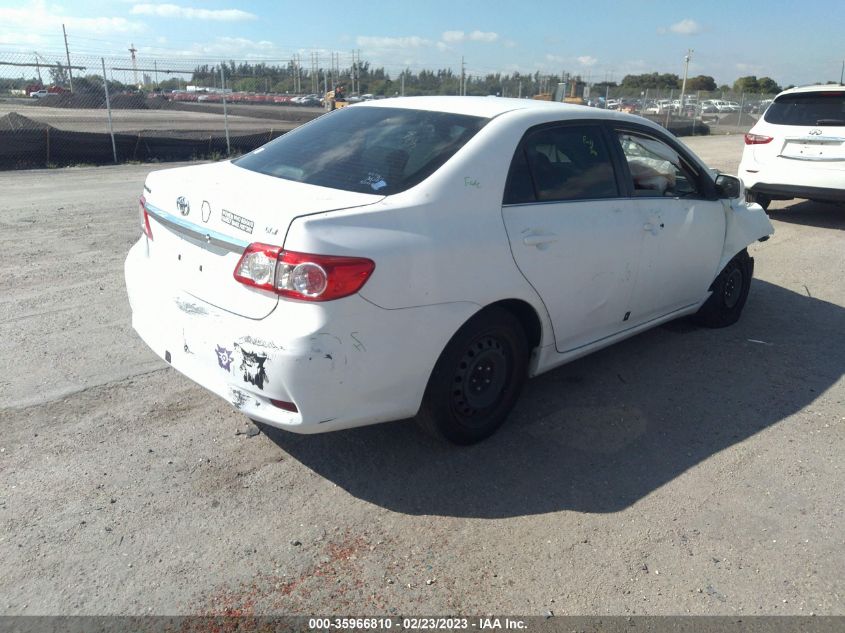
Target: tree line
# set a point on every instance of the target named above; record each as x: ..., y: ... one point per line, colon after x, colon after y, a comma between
x: 290, y: 78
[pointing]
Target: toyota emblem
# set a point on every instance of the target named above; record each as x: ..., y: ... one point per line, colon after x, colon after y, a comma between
x: 815, y: 131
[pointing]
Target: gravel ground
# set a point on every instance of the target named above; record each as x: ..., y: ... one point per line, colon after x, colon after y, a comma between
x: 681, y: 471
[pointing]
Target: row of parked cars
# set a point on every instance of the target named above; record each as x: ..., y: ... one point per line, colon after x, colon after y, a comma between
x: 309, y: 100
x: 691, y: 106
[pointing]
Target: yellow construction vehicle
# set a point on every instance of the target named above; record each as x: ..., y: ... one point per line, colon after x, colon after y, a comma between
x: 336, y: 98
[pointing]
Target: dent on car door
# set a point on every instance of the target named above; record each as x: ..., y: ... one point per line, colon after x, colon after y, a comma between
x: 573, y: 235
x: 683, y: 226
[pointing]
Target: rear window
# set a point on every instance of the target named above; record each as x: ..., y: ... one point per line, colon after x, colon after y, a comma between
x: 811, y: 108
x: 366, y: 150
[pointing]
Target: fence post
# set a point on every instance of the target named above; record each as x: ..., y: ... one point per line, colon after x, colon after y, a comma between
x: 741, y: 108
x: 225, y: 114
x: 47, y: 162
x: 669, y: 109
x: 108, y: 108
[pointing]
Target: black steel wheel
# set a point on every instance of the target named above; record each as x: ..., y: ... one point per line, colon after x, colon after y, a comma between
x: 729, y: 291
x: 477, y: 378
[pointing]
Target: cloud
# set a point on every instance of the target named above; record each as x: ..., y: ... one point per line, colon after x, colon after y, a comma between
x: 189, y: 13
x: 36, y: 17
x: 686, y: 27
x: 412, y: 41
x: 474, y: 36
x: 587, y: 60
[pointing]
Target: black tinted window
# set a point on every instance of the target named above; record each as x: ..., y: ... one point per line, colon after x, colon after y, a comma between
x: 367, y: 149
x: 568, y: 163
x: 519, y: 188
x: 814, y: 108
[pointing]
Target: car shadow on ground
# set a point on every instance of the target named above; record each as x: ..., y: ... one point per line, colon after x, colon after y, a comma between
x: 825, y: 215
x: 604, y: 431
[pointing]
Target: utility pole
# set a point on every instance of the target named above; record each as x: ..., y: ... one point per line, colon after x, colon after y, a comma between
x: 67, y: 52
x: 353, y: 72
x: 403, y: 83
x: 463, y: 77
x: 132, y: 51
x: 38, y: 70
x: 684, y: 83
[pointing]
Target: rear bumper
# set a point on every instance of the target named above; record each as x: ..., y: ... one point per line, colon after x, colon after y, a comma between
x: 787, y: 192
x: 784, y: 178
x: 343, y: 364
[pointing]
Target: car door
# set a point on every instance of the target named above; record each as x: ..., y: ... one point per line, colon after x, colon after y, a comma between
x: 683, y: 224
x: 573, y: 234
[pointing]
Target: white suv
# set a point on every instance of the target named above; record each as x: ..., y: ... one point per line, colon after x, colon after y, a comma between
x: 797, y: 148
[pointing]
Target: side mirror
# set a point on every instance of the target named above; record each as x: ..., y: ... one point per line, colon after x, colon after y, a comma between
x: 728, y: 186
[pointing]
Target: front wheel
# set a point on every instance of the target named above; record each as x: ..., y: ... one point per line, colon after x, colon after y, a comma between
x: 729, y: 291
x: 477, y: 379
x: 763, y: 200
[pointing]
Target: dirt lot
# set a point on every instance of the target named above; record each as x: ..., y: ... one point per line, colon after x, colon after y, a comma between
x: 682, y: 471
x: 242, y: 119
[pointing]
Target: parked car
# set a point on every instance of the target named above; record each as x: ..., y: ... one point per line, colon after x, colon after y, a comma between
x: 424, y: 256
x: 797, y: 148
x: 38, y: 94
x: 708, y: 107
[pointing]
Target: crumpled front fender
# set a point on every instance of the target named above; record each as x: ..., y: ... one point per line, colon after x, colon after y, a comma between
x: 745, y: 224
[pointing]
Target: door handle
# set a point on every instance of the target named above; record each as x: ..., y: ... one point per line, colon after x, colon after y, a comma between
x: 537, y: 240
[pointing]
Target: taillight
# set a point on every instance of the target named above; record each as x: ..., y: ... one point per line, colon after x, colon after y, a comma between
x: 301, y: 275
x: 144, y: 217
x: 756, y: 139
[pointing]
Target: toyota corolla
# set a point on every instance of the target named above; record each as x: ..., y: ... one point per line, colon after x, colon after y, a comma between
x: 424, y: 256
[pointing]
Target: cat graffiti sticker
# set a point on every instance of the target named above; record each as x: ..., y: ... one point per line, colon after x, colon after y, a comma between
x: 252, y: 366
x: 224, y: 357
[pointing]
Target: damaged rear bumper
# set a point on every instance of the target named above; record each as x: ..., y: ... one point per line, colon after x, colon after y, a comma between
x: 342, y: 364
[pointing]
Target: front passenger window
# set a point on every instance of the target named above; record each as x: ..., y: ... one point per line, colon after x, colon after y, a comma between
x: 656, y: 169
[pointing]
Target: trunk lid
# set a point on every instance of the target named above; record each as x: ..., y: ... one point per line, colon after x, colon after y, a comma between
x: 203, y: 217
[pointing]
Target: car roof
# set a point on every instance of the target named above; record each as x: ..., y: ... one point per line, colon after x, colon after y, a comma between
x: 487, y: 107
x: 814, y: 88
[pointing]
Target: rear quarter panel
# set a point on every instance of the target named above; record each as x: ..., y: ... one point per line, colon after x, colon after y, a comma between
x: 440, y: 242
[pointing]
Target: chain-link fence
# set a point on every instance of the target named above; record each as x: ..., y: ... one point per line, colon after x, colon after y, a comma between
x: 96, y: 110
x: 112, y: 110
x: 688, y: 112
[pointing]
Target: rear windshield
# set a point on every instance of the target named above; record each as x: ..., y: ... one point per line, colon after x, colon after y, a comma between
x: 365, y: 149
x: 812, y: 108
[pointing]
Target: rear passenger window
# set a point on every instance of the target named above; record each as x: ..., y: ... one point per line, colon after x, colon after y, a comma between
x: 656, y: 169
x: 561, y: 163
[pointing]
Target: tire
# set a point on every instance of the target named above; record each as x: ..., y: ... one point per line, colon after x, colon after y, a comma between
x: 763, y: 200
x: 477, y: 379
x: 729, y: 293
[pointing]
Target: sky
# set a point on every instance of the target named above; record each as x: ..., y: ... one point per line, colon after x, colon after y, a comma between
x: 792, y: 42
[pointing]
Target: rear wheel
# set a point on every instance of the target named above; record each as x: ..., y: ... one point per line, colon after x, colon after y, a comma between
x: 477, y: 378
x: 729, y: 293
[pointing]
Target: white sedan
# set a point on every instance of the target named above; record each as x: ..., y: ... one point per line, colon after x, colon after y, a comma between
x: 424, y: 256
